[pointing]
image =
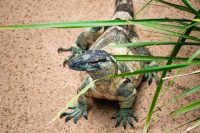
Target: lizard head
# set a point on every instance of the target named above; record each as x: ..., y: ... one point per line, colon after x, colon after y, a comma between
x: 92, y: 60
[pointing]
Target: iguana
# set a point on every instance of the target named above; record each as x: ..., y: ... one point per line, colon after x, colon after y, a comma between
x: 91, y: 53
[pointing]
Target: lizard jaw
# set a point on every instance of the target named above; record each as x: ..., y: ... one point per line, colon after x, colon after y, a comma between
x: 90, y: 60
x: 80, y: 65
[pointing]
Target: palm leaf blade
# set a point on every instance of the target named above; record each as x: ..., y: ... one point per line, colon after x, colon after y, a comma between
x: 192, y: 106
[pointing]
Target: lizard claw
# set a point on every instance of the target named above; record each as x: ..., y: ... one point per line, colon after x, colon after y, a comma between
x: 76, y: 113
x: 124, y: 115
x: 65, y: 62
x: 63, y: 115
x: 60, y: 50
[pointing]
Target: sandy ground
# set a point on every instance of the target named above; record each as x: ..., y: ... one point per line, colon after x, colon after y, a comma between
x: 34, y: 85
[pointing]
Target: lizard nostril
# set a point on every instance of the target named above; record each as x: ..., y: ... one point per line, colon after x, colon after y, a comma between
x: 70, y: 64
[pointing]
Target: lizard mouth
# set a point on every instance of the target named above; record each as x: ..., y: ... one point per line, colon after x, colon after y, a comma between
x: 89, y: 60
x: 78, y: 64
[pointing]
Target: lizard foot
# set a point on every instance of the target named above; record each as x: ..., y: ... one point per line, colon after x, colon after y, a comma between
x: 76, y: 113
x: 150, y: 76
x: 124, y: 115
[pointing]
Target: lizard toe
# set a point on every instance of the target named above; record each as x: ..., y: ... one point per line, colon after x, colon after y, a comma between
x: 119, y: 120
x: 134, y: 117
x: 124, y: 121
x: 77, y: 117
x: 71, y: 115
x: 124, y: 115
x: 130, y: 122
x: 60, y: 50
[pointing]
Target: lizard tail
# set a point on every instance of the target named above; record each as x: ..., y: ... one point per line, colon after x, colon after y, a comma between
x: 123, y: 9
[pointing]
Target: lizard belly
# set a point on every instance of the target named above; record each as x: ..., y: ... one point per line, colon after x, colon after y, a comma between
x: 104, y: 91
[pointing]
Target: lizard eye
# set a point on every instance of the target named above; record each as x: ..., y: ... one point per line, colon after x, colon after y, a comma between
x: 97, y: 61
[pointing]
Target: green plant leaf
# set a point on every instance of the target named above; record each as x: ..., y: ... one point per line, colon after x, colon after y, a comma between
x: 148, y: 23
x: 151, y: 58
x: 175, y: 51
x: 196, y: 20
x: 190, y: 91
x: 196, y: 28
x: 156, y: 24
x: 189, y: 6
x: 179, y: 7
x: 192, y: 106
x: 181, y: 75
x: 174, y: 77
x: 181, y: 125
x: 193, y: 126
x: 145, y: 5
x: 180, y: 70
x: 142, y: 44
x: 84, y: 24
x: 193, y: 56
x: 149, y: 70
x: 168, y: 32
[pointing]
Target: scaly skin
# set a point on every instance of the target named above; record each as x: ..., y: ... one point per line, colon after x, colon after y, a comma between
x: 92, y: 54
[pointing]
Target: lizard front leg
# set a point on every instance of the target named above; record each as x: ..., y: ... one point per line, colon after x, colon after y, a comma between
x: 81, y: 109
x: 83, y: 42
x: 127, y: 94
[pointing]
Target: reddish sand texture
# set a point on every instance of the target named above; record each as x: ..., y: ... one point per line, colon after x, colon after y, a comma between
x: 34, y: 86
